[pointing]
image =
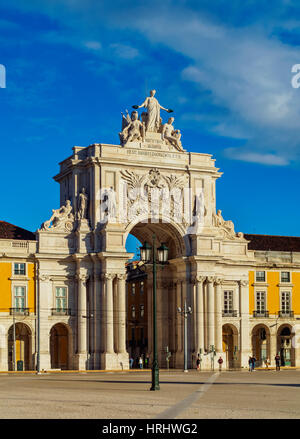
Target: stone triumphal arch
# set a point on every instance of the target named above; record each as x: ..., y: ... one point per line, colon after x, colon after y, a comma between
x: 148, y: 184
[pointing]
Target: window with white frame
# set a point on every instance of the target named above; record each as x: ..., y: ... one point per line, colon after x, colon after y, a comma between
x: 133, y: 289
x: 260, y: 276
x: 19, y: 268
x: 133, y: 311
x: 142, y: 288
x: 285, y: 276
x: 228, y: 302
x: 285, y: 302
x: 260, y: 302
x: 20, y: 298
x: 60, y: 298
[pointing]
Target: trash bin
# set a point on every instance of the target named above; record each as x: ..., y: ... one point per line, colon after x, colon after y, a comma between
x: 20, y: 365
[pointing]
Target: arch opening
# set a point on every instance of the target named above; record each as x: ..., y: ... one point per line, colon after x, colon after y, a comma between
x: 19, y: 347
x: 139, y: 321
x: 59, y: 347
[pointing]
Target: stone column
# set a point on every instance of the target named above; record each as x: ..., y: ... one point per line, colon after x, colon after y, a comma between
x: 91, y: 328
x: 3, y: 348
x: 45, y: 293
x: 98, y: 317
x: 218, y: 316
x: 171, y: 317
x: 109, y: 313
x: 210, y: 312
x: 82, y: 321
x: 199, y: 314
x: 179, y: 303
x: 122, y: 313
x: 245, y: 346
x: 272, y: 345
x: 235, y: 301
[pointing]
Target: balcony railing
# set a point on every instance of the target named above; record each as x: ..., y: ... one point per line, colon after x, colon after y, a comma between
x: 260, y: 313
x: 60, y: 311
x: 229, y: 313
x: 285, y: 313
x: 19, y: 311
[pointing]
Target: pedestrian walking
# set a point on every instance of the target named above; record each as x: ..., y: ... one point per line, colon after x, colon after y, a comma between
x: 267, y: 363
x: 253, y: 360
x: 130, y: 362
x: 250, y: 364
x: 220, y: 361
x: 141, y: 363
x: 198, y: 361
x: 277, y: 361
x: 147, y: 361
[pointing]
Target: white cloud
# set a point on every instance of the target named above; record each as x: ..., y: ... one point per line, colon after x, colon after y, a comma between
x: 265, y: 159
x: 124, y: 51
x: 94, y: 45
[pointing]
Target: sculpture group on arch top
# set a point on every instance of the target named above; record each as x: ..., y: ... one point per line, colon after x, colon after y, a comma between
x: 137, y: 128
x: 152, y: 193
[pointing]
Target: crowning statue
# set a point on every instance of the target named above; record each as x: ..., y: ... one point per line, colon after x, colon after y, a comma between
x: 153, y: 112
x: 135, y: 127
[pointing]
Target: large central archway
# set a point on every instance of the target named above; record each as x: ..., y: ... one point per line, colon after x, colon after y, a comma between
x: 173, y: 288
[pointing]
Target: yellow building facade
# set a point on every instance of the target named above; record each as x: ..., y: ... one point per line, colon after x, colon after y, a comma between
x: 17, y: 298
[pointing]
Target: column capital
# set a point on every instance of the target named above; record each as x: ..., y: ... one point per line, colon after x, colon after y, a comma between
x: 43, y: 277
x: 108, y: 276
x: 210, y: 279
x: 121, y: 276
x: 244, y: 283
x: 83, y: 277
x: 198, y: 279
x: 218, y: 280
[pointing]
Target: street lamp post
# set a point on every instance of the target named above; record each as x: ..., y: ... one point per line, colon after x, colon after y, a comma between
x: 162, y: 253
x: 185, y: 312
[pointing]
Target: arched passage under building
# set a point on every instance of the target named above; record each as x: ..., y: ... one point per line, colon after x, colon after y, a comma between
x: 285, y: 346
x: 230, y: 345
x: 60, y: 347
x: 173, y: 287
x: 261, y: 344
x: 20, y: 347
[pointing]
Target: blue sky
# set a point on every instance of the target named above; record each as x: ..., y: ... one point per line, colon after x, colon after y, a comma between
x: 224, y: 67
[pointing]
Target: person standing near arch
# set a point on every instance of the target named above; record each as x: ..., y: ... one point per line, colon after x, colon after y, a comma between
x: 277, y: 361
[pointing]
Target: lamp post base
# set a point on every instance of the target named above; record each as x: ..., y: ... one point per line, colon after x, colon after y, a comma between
x: 155, y: 378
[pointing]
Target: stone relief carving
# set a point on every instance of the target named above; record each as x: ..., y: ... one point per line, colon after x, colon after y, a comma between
x: 61, y: 219
x: 111, y: 203
x: 226, y: 227
x: 165, y: 193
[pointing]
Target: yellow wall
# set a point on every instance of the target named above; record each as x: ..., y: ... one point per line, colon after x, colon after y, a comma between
x: 296, y: 293
x: 273, y: 299
x: 251, y: 293
x: 5, y: 286
x: 31, y: 288
x: 273, y: 296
